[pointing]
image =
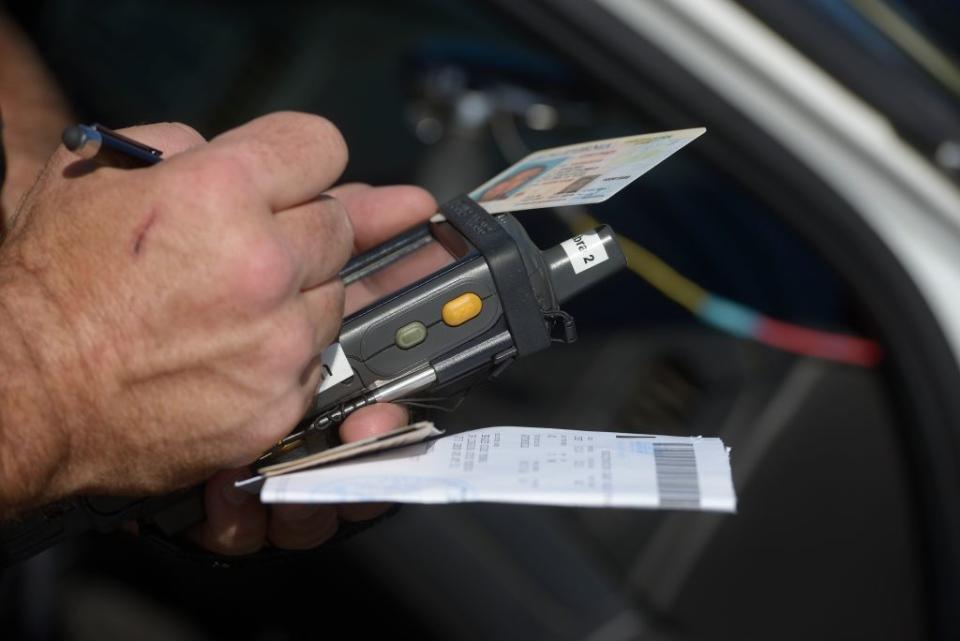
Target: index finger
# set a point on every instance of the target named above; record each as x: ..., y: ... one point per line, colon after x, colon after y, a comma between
x: 380, y: 213
x: 290, y: 158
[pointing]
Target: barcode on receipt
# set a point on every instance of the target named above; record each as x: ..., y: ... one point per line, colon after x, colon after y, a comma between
x: 677, y: 482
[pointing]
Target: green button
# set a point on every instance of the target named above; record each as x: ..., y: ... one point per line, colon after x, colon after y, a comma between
x: 411, y: 335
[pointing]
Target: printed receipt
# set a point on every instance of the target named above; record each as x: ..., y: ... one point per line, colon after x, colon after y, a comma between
x: 530, y: 465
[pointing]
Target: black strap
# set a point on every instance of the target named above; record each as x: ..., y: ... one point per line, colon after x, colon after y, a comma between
x: 523, y: 313
x: 32, y: 534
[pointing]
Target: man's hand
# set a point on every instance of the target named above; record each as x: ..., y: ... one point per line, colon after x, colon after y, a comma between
x: 164, y: 323
x: 237, y: 523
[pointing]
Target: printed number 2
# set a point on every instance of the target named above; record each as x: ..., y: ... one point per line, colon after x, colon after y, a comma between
x: 589, y: 258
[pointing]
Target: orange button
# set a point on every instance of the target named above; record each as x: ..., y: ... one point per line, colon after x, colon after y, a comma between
x: 461, y: 309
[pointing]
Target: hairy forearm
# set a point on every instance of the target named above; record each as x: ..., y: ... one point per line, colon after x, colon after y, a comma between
x: 34, y: 113
x: 33, y: 451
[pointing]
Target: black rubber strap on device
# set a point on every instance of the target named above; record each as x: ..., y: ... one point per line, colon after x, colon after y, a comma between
x: 523, y: 313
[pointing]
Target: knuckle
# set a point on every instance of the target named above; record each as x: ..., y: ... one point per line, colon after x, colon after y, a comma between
x: 326, y: 129
x: 311, y: 124
x: 263, y: 270
x: 317, y: 130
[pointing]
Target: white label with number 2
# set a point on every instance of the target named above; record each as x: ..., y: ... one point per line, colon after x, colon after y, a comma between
x: 584, y: 251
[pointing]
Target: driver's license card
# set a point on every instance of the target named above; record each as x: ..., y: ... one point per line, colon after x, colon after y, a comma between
x: 580, y: 174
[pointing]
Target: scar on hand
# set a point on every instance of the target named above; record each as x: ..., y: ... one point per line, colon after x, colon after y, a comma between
x: 140, y: 234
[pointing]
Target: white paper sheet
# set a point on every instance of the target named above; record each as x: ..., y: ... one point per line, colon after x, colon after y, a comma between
x: 528, y: 465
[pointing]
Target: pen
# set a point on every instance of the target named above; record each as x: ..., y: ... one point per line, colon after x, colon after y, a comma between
x: 97, y: 141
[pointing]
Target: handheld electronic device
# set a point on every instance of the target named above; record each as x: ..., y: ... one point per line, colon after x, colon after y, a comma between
x: 434, y: 311
x: 450, y: 303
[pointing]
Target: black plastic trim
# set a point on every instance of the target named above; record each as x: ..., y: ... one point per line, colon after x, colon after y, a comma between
x: 499, y: 249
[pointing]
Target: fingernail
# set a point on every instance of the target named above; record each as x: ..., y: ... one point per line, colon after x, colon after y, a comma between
x: 235, y: 496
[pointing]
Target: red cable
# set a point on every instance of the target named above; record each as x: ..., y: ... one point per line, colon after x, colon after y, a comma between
x: 812, y: 342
